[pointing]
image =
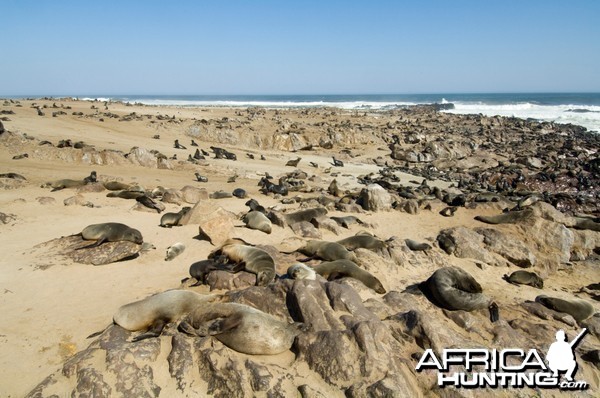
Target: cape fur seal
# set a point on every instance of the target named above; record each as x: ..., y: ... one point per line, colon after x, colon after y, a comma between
x: 110, y: 232
x: 328, y: 251
x: 524, y: 278
x: 116, y: 186
x: 174, y: 250
x: 453, y: 288
x: 342, y: 268
x: 301, y: 271
x: 578, y: 309
x: 242, y: 328
x: 305, y: 215
x: 510, y: 217
x: 417, y: 246
x: 155, y: 312
x: 68, y: 183
x: 257, y: 220
x: 362, y: 242
x: 200, y: 269
x: 346, y: 221
x: 169, y: 220
x: 253, y: 259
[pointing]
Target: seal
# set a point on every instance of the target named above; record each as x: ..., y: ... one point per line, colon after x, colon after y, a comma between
x: 240, y: 193
x: 13, y: 176
x: 155, y: 312
x: 128, y: 194
x: 257, y: 220
x: 148, y: 202
x: 220, y: 195
x: 253, y: 259
x: 347, y: 221
x: 110, y: 232
x: 417, y: 246
x: 116, y: 186
x: 200, y: 269
x: 301, y: 271
x: 510, y: 217
x: 305, y: 215
x: 362, y: 242
x: 328, y: 251
x: 242, y: 328
x: 68, y: 183
x: 169, y: 220
x: 254, y: 205
x: 453, y: 288
x: 293, y: 162
x: 174, y: 250
x: 524, y: 278
x: 579, y: 309
x: 342, y: 268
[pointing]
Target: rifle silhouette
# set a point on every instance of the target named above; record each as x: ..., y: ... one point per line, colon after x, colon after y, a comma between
x: 578, y: 338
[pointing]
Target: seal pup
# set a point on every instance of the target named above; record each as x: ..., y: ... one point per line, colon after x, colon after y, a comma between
x: 448, y: 211
x: 579, y: 309
x: 155, y: 312
x: 253, y: 259
x: 177, y: 145
x: 346, y: 268
x: 200, y: 178
x: 524, y: 278
x: 110, y: 232
x: 148, y: 202
x: 240, y: 193
x: 174, y: 250
x: 169, y: 220
x: 200, y: 269
x: 257, y: 220
x: 337, y: 163
x: 242, y: 328
x: 255, y: 206
x: 453, y: 288
x: 301, y: 271
x: 293, y: 162
x: 328, y: 251
x: 362, y: 242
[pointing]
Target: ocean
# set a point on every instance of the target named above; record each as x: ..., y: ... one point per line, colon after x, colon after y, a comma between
x: 577, y: 108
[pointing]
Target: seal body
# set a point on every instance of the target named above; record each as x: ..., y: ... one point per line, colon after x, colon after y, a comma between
x: 242, y: 328
x: 525, y: 278
x: 254, y: 260
x: 362, y: 242
x: 578, y: 309
x: 455, y: 289
x: 341, y: 268
x: 200, y: 269
x: 305, y: 215
x: 257, y: 220
x: 174, y: 250
x: 169, y: 220
x: 111, y: 232
x: 157, y: 311
x: 328, y: 251
x: 116, y: 186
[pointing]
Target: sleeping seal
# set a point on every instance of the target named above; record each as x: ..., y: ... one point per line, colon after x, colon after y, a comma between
x: 328, y: 251
x: 579, y: 309
x: 242, y: 328
x: 362, y: 242
x: 110, y: 232
x: 341, y: 268
x: 524, y: 278
x: 155, y: 312
x: 301, y: 271
x: 453, y: 288
x: 257, y: 220
x: 252, y: 259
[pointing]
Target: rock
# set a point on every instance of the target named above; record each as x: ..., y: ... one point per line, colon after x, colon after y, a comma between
x: 469, y: 244
x: 173, y: 196
x: 46, y: 200
x: 193, y: 195
x: 106, y: 253
x: 77, y: 200
x: 142, y: 157
x: 223, y: 280
x: 375, y: 198
x: 512, y: 249
x: 306, y: 230
x: 217, y: 228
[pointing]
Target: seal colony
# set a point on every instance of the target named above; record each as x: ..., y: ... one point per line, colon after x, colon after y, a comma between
x: 400, y: 214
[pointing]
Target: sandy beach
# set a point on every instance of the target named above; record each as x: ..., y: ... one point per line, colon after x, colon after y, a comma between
x: 50, y: 304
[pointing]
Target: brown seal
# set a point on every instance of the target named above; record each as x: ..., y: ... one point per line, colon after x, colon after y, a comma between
x: 362, y: 242
x: 253, y: 259
x: 579, y: 309
x: 328, y: 251
x: 524, y: 278
x: 110, y: 232
x: 341, y: 268
x: 242, y: 328
x: 169, y: 220
x: 257, y: 220
x: 155, y: 312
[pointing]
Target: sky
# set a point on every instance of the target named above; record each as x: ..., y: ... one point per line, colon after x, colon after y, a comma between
x: 298, y: 47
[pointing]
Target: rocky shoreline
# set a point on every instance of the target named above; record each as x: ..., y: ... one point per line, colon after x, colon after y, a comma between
x: 488, y: 195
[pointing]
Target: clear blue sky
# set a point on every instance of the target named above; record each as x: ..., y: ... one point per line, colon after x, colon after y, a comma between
x: 301, y: 47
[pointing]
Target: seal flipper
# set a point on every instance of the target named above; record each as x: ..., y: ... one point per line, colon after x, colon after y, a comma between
x: 154, y: 331
x: 494, y: 312
x: 222, y: 325
x: 95, y: 244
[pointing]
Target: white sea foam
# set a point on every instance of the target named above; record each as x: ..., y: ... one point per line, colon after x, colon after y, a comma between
x: 584, y: 115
